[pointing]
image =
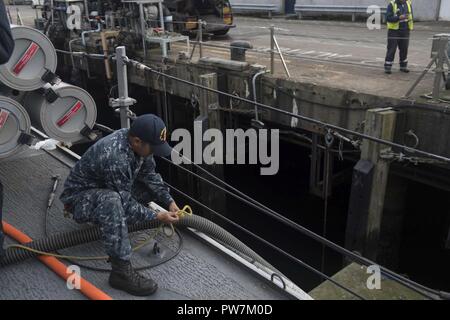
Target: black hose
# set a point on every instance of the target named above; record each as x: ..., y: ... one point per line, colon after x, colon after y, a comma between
x: 74, y: 238
x: 65, y: 240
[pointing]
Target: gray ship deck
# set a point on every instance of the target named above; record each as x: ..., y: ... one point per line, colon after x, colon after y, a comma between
x: 200, y: 271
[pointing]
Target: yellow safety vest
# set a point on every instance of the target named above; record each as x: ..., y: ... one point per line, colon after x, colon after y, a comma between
x: 396, y: 25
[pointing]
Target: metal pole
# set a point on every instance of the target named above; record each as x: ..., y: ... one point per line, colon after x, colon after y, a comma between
x: 410, y: 91
x: 161, y: 21
x: 122, y: 82
x: 438, y: 10
x: 195, y: 45
x: 281, y: 57
x: 86, y: 9
x: 9, y: 15
x: 254, y: 92
x: 143, y: 28
x: 161, y: 16
x: 19, y: 18
x: 105, y: 53
x: 272, y: 49
x: 437, y: 79
x: 200, y: 37
x: 52, y: 11
x: 440, y: 71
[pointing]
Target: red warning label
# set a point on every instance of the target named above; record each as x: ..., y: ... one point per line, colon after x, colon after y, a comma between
x: 75, y: 108
x: 3, y: 117
x: 26, y: 57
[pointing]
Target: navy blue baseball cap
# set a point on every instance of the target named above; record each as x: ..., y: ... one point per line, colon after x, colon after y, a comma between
x: 151, y: 129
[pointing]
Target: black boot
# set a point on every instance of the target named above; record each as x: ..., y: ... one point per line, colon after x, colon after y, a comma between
x: 404, y: 67
x: 387, y: 70
x: 124, y: 277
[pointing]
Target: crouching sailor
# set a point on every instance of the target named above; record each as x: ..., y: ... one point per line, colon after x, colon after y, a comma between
x: 110, y: 187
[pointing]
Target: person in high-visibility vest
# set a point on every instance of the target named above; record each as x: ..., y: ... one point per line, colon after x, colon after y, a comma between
x: 400, y: 23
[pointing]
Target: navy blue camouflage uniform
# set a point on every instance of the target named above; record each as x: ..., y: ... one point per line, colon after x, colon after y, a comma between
x: 110, y: 187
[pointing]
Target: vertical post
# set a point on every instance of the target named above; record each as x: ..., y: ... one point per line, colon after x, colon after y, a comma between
x: 379, y: 123
x: 319, y: 168
x: 164, y: 49
x: 200, y: 37
x: 166, y: 108
x: 442, y: 43
x: 438, y: 10
x: 315, y: 163
x: 105, y: 53
x: 143, y: 27
x: 208, y: 103
x: 392, y: 223
x: 122, y: 82
x: 161, y: 15
x: 52, y: 10
x: 358, y: 209
x: 86, y: 9
x: 272, y: 49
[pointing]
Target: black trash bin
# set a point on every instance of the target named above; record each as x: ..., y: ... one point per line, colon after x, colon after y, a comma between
x: 289, y: 6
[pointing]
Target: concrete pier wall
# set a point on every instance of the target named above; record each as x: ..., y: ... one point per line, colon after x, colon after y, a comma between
x: 425, y: 10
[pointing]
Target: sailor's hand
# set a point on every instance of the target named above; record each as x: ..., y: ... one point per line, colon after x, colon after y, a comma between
x: 173, y: 207
x: 167, y: 217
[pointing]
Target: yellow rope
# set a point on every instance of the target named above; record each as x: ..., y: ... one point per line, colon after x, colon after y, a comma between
x: 42, y: 253
x: 186, y: 211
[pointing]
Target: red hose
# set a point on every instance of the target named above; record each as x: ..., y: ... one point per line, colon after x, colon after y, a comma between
x: 87, y: 288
